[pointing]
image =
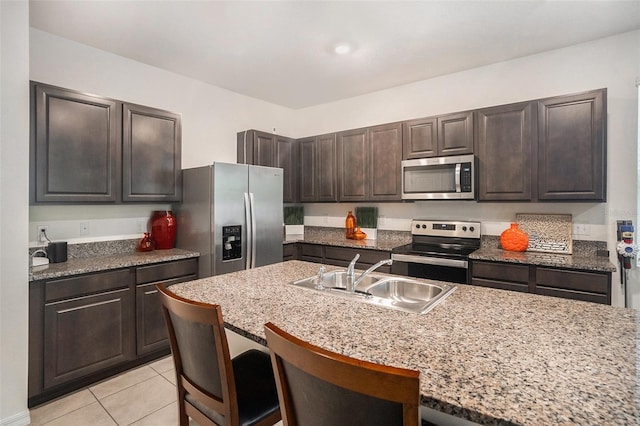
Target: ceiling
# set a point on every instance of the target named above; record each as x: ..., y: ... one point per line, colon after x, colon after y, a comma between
x: 283, y: 51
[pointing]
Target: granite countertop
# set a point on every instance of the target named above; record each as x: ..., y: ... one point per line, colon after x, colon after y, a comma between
x: 76, y: 266
x: 587, y: 263
x: 486, y: 355
x: 386, y: 241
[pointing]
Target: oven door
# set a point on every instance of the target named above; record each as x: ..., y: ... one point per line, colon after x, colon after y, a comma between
x: 429, y: 267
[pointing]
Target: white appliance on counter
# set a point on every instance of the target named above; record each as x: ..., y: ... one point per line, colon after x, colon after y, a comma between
x: 232, y: 215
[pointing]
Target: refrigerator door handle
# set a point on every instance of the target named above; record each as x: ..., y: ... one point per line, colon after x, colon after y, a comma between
x: 253, y: 241
x: 248, y: 215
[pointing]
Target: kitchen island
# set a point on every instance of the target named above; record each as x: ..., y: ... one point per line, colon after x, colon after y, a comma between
x: 485, y: 355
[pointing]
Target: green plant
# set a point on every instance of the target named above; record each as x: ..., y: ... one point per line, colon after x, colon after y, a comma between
x: 367, y: 217
x: 294, y: 215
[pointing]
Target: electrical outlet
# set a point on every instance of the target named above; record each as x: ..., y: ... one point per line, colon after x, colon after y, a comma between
x: 84, y: 228
x: 581, y: 229
x: 141, y: 226
x: 41, y: 231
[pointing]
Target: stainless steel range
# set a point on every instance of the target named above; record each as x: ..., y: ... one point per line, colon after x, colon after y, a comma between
x: 439, y: 250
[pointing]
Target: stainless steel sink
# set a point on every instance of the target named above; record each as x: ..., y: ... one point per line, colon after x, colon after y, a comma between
x: 398, y: 293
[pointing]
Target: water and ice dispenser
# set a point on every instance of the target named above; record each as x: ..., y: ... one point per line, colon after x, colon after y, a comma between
x: 231, y: 242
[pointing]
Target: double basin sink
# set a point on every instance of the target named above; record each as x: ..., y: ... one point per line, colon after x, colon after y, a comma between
x: 391, y: 292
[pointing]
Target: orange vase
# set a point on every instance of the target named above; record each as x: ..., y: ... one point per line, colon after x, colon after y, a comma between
x: 350, y: 224
x: 514, y: 239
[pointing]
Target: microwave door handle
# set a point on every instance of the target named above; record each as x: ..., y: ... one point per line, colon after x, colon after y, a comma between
x: 458, y: 173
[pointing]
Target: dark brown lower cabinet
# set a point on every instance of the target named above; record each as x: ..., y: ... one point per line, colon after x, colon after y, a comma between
x: 589, y: 286
x: 289, y: 252
x: 85, y: 328
x: 151, y: 331
x: 342, y: 256
x: 85, y: 335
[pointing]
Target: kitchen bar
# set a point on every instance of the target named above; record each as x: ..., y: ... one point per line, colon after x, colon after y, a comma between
x: 485, y: 355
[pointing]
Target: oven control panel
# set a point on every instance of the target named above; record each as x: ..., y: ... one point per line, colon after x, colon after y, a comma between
x: 445, y: 228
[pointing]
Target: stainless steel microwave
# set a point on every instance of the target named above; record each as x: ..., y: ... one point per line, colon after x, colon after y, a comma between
x: 439, y: 178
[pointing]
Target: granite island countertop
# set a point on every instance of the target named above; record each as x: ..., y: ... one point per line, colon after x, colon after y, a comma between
x: 97, y: 263
x: 567, y: 261
x: 486, y: 355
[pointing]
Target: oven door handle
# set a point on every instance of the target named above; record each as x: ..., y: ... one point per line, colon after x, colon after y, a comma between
x: 426, y: 260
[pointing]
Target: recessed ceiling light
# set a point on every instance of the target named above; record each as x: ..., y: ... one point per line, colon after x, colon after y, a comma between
x: 342, y: 49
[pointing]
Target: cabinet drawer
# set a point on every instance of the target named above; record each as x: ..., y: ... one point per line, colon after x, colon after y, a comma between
x: 312, y: 250
x: 501, y: 272
x: 164, y: 271
x: 346, y: 254
x: 502, y: 285
x: 87, y: 284
x: 569, y: 280
x: 289, y: 251
x: 573, y: 294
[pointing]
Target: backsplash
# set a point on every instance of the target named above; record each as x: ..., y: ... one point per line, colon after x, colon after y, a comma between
x: 580, y: 247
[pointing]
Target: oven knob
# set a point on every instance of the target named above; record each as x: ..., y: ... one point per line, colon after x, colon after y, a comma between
x: 464, y: 228
x: 471, y: 229
x: 424, y: 226
x: 418, y: 226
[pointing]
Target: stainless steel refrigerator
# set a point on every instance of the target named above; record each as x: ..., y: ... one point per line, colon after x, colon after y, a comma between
x: 232, y: 215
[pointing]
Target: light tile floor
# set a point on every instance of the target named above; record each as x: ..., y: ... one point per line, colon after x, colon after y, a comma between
x: 145, y: 396
x: 139, y: 397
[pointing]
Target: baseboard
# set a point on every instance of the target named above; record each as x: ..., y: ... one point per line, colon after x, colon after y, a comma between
x: 20, y: 419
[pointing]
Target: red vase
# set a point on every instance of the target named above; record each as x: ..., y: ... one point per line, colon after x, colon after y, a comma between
x: 163, y: 229
x: 514, y: 239
x: 146, y: 243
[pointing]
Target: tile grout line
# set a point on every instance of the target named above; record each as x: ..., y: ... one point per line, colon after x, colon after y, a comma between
x: 69, y: 412
x: 103, y: 407
x: 142, y: 418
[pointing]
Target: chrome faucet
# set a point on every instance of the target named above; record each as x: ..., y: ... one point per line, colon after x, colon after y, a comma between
x: 352, y: 282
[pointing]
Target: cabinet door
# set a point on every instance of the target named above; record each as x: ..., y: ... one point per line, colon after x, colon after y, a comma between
x: 326, y: 178
x: 505, y: 144
x: 385, y: 162
x: 455, y: 133
x: 353, y: 167
x: 264, y: 148
x: 572, y: 147
x: 286, y: 158
x: 151, y: 154
x: 419, y: 138
x: 86, y: 334
x: 75, y: 151
x: 308, y: 183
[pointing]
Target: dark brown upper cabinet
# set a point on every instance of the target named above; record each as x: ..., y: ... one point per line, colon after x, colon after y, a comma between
x: 326, y: 168
x: 318, y: 168
x: 450, y: 134
x: 75, y: 147
x: 151, y: 158
x: 90, y: 149
x: 420, y: 138
x: 267, y: 149
x: 572, y: 147
x: 369, y: 163
x: 505, y: 147
x: 455, y: 133
x: 353, y: 165
x: 385, y: 162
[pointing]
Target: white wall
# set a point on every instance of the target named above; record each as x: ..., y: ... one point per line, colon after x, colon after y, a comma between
x: 211, y: 117
x: 14, y: 203
x: 612, y: 62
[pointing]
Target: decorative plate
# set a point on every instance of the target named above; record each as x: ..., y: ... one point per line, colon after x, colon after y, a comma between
x: 548, y: 233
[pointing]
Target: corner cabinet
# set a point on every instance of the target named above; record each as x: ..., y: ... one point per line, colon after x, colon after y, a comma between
x: 151, y: 157
x: 75, y: 147
x: 88, y: 327
x: 270, y: 150
x: 91, y: 149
